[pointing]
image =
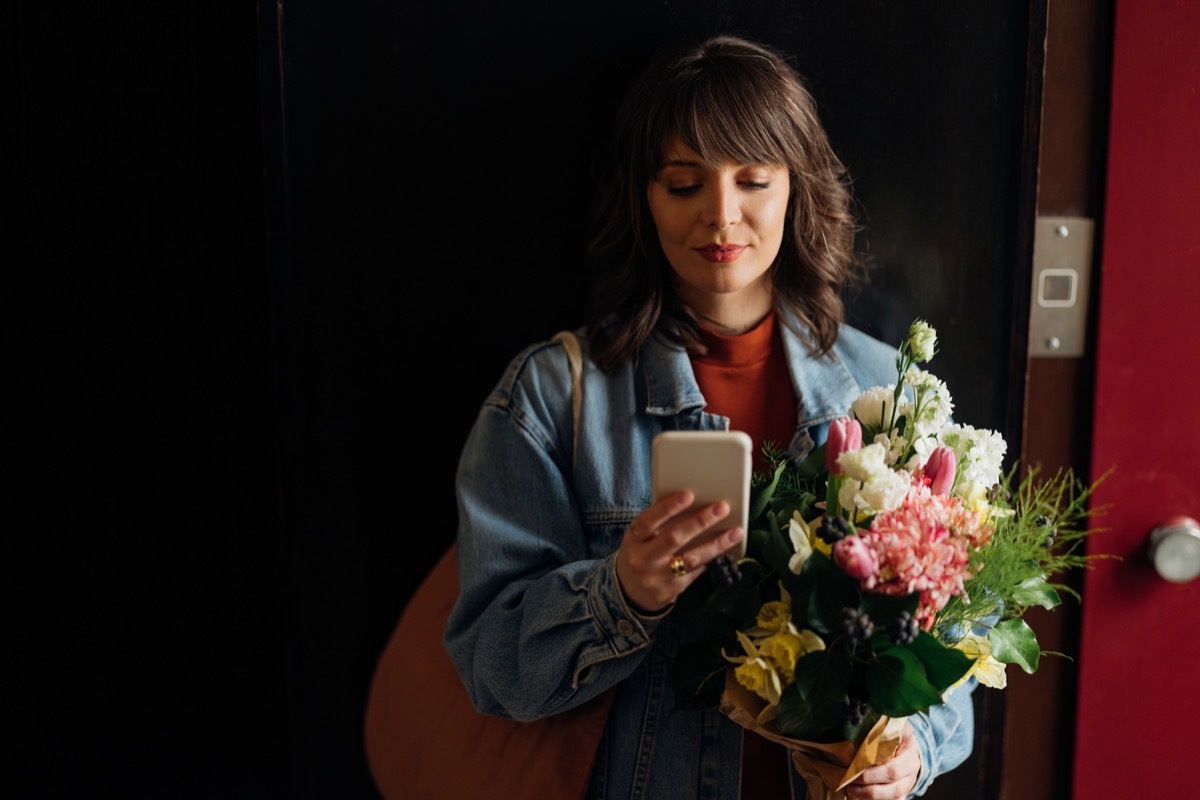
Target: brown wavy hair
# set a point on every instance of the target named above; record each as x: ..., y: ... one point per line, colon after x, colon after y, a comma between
x: 727, y: 98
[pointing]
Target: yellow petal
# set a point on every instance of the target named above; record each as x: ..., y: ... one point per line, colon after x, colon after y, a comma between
x: 990, y: 672
x: 810, y: 642
x: 974, y: 645
x: 759, y: 677
x: 986, y: 669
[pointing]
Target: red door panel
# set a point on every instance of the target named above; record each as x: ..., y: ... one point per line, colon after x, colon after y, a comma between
x: 1139, y: 703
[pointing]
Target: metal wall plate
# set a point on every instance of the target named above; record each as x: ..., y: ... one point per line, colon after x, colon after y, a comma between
x: 1062, y: 266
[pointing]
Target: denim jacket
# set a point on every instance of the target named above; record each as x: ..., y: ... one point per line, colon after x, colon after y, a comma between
x: 541, y: 625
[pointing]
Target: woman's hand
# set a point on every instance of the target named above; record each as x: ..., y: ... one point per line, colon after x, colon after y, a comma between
x: 894, y: 778
x: 658, y: 559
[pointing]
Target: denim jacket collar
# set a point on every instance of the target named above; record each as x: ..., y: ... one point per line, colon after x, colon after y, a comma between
x: 825, y: 386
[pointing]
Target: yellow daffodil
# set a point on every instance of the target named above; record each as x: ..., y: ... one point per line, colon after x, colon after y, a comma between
x: 772, y: 648
x: 774, y: 616
x: 756, y: 672
x: 784, y: 649
x: 986, y: 669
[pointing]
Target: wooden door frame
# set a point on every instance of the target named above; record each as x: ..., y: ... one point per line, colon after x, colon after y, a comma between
x: 1040, y: 709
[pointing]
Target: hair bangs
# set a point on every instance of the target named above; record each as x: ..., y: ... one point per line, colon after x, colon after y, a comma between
x: 716, y: 119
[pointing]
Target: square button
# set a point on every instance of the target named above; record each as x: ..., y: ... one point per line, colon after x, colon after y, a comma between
x: 1056, y: 289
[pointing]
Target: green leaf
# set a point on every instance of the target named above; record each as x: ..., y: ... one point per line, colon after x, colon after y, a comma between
x: 813, y: 465
x: 760, y: 496
x: 807, y: 506
x: 1036, y: 592
x: 883, y: 608
x: 776, y: 547
x: 897, y: 685
x: 814, y: 706
x: 944, y: 666
x: 1014, y: 642
x: 832, y: 505
x: 828, y: 591
x: 716, y: 613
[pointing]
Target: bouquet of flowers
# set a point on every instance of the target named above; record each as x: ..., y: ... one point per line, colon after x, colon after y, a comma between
x: 884, y: 570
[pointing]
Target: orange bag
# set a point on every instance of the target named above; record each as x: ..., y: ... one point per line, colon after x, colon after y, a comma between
x: 426, y: 741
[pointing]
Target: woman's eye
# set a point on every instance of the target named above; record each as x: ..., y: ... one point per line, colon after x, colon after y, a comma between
x: 757, y: 185
x: 683, y: 191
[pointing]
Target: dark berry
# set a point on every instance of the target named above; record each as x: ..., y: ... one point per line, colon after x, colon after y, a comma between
x: 1042, y: 521
x: 903, y: 630
x: 833, y: 529
x: 856, y: 625
x: 723, y: 570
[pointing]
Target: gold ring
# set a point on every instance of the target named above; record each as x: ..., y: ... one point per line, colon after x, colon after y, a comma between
x: 638, y: 533
x: 678, y: 567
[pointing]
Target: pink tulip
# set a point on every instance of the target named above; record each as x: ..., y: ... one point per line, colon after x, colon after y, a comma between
x: 855, y: 557
x: 845, y: 434
x: 939, y: 469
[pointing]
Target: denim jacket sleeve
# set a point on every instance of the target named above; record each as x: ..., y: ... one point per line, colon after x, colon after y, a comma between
x: 945, y: 734
x: 541, y: 624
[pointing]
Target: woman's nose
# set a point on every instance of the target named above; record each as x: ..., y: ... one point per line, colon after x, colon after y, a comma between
x: 721, y: 209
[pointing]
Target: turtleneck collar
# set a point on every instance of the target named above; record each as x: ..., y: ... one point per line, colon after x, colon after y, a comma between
x: 746, y: 348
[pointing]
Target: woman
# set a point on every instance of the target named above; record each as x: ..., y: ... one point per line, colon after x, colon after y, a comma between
x: 721, y: 245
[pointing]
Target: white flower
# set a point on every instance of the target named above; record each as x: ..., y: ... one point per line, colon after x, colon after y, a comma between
x: 871, y: 485
x: 922, y: 340
x: 884, y: 493
x: 979, y: 453
x: 921, y: 450
x: 933, y: 404
x: 866, y: 462
x: 893, y: 445
x: 801, y: 536
x: 873, y: 408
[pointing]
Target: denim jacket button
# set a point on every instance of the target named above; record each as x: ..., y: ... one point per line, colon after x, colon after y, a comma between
x: 625, y: 627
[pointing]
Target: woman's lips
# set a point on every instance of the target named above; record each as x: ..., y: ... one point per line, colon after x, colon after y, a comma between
x: 721, y: 253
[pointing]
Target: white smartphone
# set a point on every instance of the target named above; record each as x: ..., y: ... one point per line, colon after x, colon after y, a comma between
x: 714, y: 465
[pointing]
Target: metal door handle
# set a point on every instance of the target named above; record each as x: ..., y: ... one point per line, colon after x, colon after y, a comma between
x: 1174, y: 549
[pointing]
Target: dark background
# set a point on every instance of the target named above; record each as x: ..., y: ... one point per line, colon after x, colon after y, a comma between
x: 272, y: 259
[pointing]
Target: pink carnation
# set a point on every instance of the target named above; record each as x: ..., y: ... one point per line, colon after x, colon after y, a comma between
x: 924, y: 546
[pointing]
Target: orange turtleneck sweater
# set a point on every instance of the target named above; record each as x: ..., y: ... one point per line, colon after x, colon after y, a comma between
x: 746, y: 379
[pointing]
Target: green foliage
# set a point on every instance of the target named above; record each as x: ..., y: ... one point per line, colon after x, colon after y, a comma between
x: 1014, y: 642
x: 814, y: 707
x: 897, y: 684
x: 1039, y: 535
x: 944, y: 666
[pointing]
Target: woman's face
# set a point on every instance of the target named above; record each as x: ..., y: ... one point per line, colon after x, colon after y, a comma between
x: 720, y: 228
